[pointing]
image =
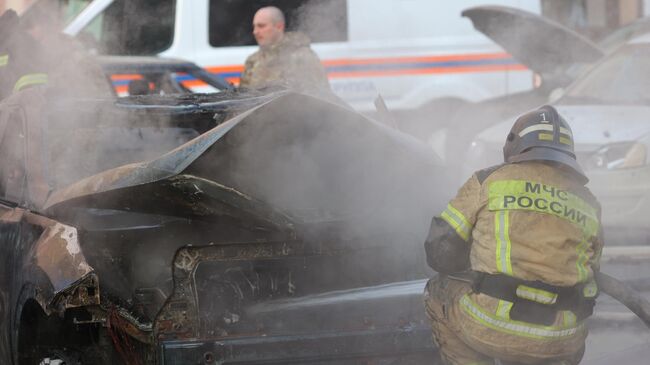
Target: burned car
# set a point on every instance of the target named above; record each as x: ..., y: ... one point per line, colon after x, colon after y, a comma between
x: 210, y: 229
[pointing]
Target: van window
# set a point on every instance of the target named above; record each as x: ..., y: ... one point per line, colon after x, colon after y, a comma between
x: 72, y: 8
x: 322, y: 20
x: 12, y: 155
x: 141, y: 28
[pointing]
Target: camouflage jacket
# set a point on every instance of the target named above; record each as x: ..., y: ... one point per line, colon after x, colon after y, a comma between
x: 290, y: 63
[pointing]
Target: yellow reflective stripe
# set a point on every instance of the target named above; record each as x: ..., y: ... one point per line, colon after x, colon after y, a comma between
x: 569, y: 319
x: 566, y: 141
x: 4, y: 60
x: 547, y: 199
x: 582, y: 260
x: 536, y: 295
x: 502, y: 236
x: 536, y: 127
x: 29, y: 80
x: 590, y: 290
x: 457, y: 221
x: 545, y: 137
x: 516, y: 328
x: 503, y: 309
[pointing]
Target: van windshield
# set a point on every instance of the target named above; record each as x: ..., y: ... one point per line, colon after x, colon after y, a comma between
x: 140, y: 28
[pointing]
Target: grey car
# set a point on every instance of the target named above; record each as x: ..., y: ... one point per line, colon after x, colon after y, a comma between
x: 608, y: 110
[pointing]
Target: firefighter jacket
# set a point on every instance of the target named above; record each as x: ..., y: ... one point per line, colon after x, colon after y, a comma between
x: 54, y: 59
x: 529, y: 222
x: 290, y: 63
x: 21, y: 63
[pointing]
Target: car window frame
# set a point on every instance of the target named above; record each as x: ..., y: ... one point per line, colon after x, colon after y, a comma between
x: 6, y: 118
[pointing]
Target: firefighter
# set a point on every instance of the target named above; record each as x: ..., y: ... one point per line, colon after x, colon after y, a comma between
x: 71, y: 70
x: 284, y: 58
x: 35, y: 53
x: 21, y: 62
x: 516, y: 251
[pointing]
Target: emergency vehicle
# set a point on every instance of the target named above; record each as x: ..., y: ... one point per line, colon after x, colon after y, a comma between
x: 412, y: 52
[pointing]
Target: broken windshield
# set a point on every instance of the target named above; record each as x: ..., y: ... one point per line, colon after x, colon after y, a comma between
x: 84, y: 144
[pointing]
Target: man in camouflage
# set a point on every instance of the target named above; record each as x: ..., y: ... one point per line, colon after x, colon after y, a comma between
x: 284, y: 59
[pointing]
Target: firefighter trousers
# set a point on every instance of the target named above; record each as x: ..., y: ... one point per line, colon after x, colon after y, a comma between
x: 441, y: 299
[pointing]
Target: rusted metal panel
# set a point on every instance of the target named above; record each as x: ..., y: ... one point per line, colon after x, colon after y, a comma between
x: 58, y: 254
x: 179, y: 318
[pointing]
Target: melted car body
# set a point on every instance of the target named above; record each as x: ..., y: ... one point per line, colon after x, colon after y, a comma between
x: 212, y: 228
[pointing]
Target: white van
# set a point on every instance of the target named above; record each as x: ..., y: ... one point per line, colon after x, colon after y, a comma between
x: 410, y: 51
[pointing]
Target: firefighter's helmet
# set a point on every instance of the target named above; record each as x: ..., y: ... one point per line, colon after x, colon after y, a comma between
x: 543, y: 135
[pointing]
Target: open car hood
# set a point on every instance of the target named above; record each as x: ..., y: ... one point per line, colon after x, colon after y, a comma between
x: 541, y: 44
x: 293, y: 159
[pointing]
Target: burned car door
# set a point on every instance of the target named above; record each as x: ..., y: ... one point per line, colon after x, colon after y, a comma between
x: 39, y: 257
x: 12, y: 183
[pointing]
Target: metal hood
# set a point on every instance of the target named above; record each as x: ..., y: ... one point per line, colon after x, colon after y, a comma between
x: 542, y: 45
x: 293, y: 159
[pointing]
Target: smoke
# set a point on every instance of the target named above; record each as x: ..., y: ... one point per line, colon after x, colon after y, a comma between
x: 348, y: 183
x: 321, y: 163
x: 323, y: 21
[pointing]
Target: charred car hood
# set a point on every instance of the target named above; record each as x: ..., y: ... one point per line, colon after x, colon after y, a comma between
x: 542, y: 45
x: 295, y: 158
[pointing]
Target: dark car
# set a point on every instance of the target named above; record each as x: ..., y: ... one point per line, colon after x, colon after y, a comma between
x: 210, y: 229
x: 139, y: 75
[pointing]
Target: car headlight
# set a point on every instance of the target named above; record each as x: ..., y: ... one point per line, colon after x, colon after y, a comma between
x: 621, y: 155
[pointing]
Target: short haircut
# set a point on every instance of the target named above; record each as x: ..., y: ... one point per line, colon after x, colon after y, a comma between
x: 276, y: 14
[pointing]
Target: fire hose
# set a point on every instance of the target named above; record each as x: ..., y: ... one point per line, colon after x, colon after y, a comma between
x: 625, y: 294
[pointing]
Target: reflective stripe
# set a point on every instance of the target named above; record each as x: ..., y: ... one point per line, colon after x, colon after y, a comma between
x: 569, y: 319
x: 457, y: 221
x: 536, y: 127
x: 502, y: 236
x: 4, y: 60
x: 566, y: 141
x: 581, y: 262
x: 545, y: 137
x: 566, y: 131
x: 534, y: 196
x: 503, y: 309
x: 590, y: 290
x: 536, y: 295
x: 29, y: 80
x: 516, y: 328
